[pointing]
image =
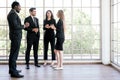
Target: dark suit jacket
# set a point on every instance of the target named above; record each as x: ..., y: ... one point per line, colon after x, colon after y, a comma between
x: 49, y: 33
x: 60, y: 29
x: 15, y: 27
x: 30, y: 33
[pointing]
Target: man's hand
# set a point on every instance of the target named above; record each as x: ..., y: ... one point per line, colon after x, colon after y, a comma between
x: 26, y: 25
x: 35, y: 30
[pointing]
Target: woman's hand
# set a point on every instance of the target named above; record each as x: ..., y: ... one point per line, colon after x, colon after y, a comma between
x: 52, y: 27
x: 47, y: 26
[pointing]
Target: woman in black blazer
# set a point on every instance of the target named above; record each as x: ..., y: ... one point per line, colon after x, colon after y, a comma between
x: 49, y: 36
x: 60, y: 28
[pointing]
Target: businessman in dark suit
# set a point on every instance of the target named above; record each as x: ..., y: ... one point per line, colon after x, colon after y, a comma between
x: 33, y: 36
x: 15, y: 35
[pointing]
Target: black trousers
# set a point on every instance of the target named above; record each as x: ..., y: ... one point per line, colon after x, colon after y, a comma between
x: 52, y: 43
x: 14, y: 51
x: 35, y: 42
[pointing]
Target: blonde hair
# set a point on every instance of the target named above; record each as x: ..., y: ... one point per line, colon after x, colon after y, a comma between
x: 62, y: 17
x: 61, y: 14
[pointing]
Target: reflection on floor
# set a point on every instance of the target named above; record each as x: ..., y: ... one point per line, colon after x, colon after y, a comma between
x: 70, y: 72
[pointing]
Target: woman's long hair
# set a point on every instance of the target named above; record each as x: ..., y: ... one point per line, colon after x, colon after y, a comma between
x: 62, y: 17
x: 61, y: 14
x: 52, y: 17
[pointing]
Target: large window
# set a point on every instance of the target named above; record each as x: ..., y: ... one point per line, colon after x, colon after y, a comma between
x: 115, y: 31
x: 83, y: 35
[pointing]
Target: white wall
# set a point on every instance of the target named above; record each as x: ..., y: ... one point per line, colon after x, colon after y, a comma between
x: 105, y: 31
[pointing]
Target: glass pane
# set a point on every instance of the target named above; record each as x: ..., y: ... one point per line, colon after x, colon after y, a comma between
x: 25, y: 12
x: 83, y: 37
x: 8, y: 10
x: 77, y: 3
x: 76, y: 36
x: 95, y: 16
x: 39, y: 3
x: 58, y: 3
x: 2, y: 54
x: 86, y: 54
x: 115, y: 14
x: 115, y: 1
x: 118, y: 47
x: 118, y: 32
x: 23, y: 47
x: 7, y: 32
x: 77, y: 12
x: 48, y: 3
x: 40, y: 53
x: 95, y: 3
x: 115, y: 31
x: 118, y: 54
x: 30, y: 3
x: 41, y: 44
x: 39, y: 15
x: 118, y: 59
x: 8, y: 46
x: 3, y: 32
x: 96, y: 45
x: 86, y: 16
x: 68, y: 34
x: 115, y: 57
x: 24, y: 34
x: 96, y: 29
x: 41, y: 33
x: 115, y: 34
x: 77, y: 54
x: 115, y: 49
x: 22, y: 14
x: 68, y: 15
x: 118, y: 13
x: 67, y: 3
x: 86, y: 3
x: 67, y: 46
x: 83, y: 16
x: 95, y: 54
x: 2, y: 3
x: 3, y: 18
x: 2, y: 44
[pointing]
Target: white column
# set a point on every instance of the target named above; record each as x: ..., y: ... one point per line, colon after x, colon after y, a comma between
x: 105, y: 31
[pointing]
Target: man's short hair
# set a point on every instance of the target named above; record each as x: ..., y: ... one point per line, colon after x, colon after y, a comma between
x: 31, y: 9
x: 15, y: 3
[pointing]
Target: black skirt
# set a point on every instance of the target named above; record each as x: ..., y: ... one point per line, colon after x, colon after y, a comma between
x: 59, y: 44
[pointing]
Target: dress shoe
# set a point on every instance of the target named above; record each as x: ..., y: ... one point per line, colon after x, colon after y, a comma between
x: 37, y: 65
x: 18, y: 71
x: 27, y: 67
x: 45, y: 64
x: 17, y: 75
x: 58, y: 68
x: 54, y: 66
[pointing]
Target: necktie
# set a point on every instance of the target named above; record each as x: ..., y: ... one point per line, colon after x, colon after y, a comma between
x: 35, y: 22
